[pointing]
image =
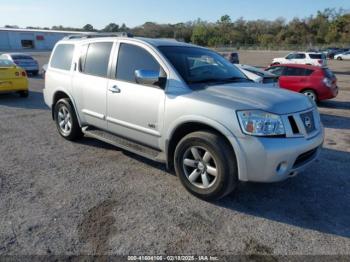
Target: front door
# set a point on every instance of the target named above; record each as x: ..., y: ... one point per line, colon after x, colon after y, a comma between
x: 134, y: 110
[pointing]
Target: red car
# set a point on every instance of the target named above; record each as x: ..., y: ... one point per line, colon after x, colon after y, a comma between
x: 316, y: 82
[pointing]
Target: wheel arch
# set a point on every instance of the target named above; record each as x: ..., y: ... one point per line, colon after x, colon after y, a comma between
x: 58, y: 95
x: 184, y: 128
x: 311, y: 89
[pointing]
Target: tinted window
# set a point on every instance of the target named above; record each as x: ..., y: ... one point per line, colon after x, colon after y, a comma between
x: 328, y: 73
x: 294, y: 71
x: 316, y: 56
x: 299, y: 56
x: 62, y: 57
x: 277, y: 70
x: 291, y: 56
x: 97, y: 59
x: 131, y: 58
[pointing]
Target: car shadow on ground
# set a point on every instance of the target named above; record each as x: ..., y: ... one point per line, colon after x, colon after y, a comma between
x: 317, y: 199
x: 34, y: 101
x: 100, y: 144
x: 335, y: 104
x: 337, y: 122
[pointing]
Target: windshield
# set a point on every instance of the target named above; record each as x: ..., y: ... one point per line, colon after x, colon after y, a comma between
x: 202, y: 66
x: 6, y: 63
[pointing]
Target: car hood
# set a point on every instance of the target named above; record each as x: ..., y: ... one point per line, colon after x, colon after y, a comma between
x: 243, y: 96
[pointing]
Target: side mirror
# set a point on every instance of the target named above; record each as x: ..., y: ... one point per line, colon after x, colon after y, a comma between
x: 149, y: 77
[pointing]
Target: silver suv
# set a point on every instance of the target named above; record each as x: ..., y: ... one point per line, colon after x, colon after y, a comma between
x: 183, y: 105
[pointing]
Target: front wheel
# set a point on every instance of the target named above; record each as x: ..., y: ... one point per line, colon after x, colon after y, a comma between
x: 339, y: 58
x: 66, y: 120
x: 206, y: 165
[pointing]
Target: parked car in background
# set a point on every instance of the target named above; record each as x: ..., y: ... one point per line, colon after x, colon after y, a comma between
x: 182, y: 105
x: 13, y: 78
x: 25, y: 61
x: 318, y: 83
x: 343, y: 56
x: 332, y: 55
x: 232, y: 57
x: 259, y: 75
x: 304, y: 58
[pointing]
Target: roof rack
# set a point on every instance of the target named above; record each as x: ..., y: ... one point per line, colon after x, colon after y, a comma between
x: 97, y: 35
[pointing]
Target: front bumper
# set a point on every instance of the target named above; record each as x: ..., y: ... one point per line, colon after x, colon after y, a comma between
x: 264, y: 159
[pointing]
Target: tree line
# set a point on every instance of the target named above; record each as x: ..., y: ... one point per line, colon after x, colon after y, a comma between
x: 328, y: 27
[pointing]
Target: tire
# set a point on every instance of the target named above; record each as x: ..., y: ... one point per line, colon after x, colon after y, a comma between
x: 311, y: 94
x: 23, y: 94
x: 66, y: 120
x: 339, y: 58
x: 195, y: 154
x: 275, y: 64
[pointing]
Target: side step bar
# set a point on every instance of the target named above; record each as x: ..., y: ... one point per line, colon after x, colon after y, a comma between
x: 126, y: 144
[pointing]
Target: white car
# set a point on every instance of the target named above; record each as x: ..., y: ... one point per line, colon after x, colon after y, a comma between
x: 259, y: 76
x: 343, y: 56
x: 304, y: 58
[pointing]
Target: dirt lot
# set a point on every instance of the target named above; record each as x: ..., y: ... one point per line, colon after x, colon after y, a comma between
x: 63, y: 198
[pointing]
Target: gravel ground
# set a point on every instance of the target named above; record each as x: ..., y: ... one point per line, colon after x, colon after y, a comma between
x: 64, y: 198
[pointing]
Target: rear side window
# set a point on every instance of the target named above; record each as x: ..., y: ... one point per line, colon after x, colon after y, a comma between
x: 96, y: 59
x: 131, y: 58
x: 294, y: 71
x: 62, y: 57
x: 316, y: 56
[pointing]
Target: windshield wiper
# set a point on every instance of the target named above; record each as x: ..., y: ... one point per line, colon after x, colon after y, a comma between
x: 223, y: 80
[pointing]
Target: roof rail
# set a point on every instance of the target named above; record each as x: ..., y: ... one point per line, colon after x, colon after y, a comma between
x: 97, y: 35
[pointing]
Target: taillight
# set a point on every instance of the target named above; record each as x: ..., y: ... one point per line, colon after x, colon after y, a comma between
x: 320, y: 61
x: 328, y: 82
x: 24, y: 73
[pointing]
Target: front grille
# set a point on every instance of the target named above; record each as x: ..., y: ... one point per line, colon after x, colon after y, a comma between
x: 294, y: 125
x: 305, y: 157
x: 308, y: 121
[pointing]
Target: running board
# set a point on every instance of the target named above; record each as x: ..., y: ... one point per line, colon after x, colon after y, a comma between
x: 126, y: 144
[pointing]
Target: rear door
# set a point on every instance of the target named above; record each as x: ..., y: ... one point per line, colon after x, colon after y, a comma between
x: 299, y: 58
x: 90, y: 83
x: 294, y: 78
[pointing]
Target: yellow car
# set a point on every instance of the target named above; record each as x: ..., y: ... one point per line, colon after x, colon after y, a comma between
x: 13, y: 78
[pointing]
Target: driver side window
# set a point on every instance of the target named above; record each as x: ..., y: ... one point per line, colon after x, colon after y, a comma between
x: 131, y: 58
x: 290, y: 56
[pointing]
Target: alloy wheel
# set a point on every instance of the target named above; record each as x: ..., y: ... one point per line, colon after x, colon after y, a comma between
x: 64, y: 120
x: 200, y: 167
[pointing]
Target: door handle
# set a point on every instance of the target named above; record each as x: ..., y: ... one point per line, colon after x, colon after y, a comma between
x: 114, y: 89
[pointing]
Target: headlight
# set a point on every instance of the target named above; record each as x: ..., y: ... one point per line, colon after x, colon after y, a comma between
x: 260, y: 123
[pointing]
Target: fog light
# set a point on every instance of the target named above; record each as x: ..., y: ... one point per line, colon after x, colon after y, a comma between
x: 282, y: 168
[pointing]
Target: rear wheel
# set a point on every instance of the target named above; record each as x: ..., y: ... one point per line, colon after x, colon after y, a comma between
x: 311, y: 94
x: 339, y: 58
x: 66, y: 120
x: 206, y: 165
x: 24, y: 94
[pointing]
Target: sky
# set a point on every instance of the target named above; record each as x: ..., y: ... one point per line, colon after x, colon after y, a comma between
x: 77, y: 13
